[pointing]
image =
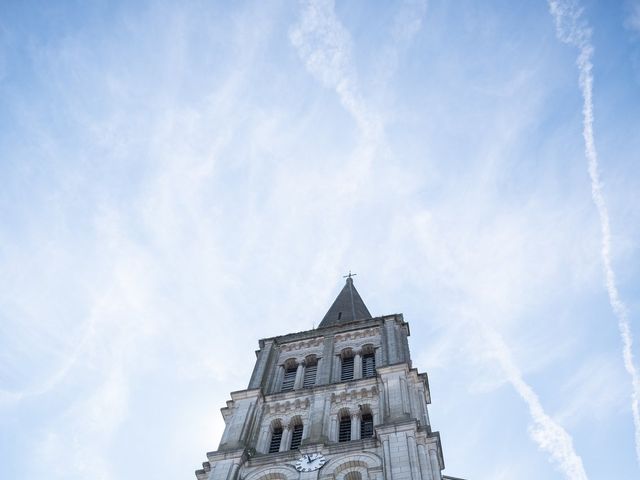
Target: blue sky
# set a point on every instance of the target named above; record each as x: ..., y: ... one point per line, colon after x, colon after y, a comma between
x: 182, y: 179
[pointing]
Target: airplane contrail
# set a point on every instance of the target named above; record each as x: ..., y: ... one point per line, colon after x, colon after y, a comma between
x: 572, y: 29
x: 324, y: 45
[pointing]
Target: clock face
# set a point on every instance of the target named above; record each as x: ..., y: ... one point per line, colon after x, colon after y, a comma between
x: 310, y: 462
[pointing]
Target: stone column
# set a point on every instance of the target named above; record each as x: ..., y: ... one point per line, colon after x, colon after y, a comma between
x: 357, y: 365
x: 319, y: 369
x: 390, y: 331
x: 333, y: 429
x: 355, y: 426
x: 425, y: 467
x: 337, y: 368
x: 413, y: 456
x: 263, y: 440
x: 299, y: 376
x: 422, y: 404
x: 386, y: 457
x: 277, y: 382
x: 286, y: 438
x: 325, y: 374
x: 378, y: 356
x: 233, y: 471
x: 435, y: 465
x: 258, y: 377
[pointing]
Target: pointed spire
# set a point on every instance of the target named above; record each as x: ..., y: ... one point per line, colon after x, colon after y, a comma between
x: 347, y: 306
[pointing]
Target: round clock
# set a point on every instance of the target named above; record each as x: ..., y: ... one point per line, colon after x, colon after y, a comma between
x: 310, y: 462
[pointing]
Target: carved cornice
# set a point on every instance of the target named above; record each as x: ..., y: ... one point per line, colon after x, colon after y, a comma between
x: 302, y: 345
x: 287, y: 407
x: 351, y: 397
x: 357, y: 334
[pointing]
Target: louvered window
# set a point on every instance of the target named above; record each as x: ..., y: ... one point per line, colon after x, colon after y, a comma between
x: 296, y: 437
x: 310, y: 375
x: 369, y: 365
x: 276, y: 438
x: 366, y: 426
x: 289, y: 379
x: 344, y: 433
x: 347, y: 369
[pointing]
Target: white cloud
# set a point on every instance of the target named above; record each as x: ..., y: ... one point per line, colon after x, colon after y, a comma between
x: 189, y: 187
x: 633, y: 19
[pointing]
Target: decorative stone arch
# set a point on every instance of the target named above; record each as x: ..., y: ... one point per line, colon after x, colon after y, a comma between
x: 276, y: 423
x: 340, y: 467
x: 291, y: 362
x: 347, y: 352
x: 344, y: 411
x: 368, y: 348
x: 311, y: 359
x: 280, y: 472
x: 296, y: 420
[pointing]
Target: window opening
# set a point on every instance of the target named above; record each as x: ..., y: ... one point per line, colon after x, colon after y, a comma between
x: 347, y: 369
x: 289, y: 379
x: 276, y: 438
x: 366, y: 426
x: 296, y: 437
x: 344, y: 434
x: 339, y: 315
x: 369, y: 365
x: 310, y: 372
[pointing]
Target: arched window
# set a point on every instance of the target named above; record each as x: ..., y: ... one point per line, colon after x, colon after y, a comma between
x: 366, y: 425
x: 296, y: 436
x: 344, y: 430
x: 276, y: 438
x: 368, y: 362
x: 346, y: 373
x: 289, y: 379
x: 310, y: 371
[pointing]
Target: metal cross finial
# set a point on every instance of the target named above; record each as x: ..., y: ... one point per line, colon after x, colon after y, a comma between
x: 350, y: 275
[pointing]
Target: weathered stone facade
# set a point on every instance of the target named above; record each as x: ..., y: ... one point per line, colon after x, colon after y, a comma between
x: 349, y: 388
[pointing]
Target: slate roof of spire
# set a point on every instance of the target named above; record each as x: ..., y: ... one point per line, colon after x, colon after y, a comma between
x: 347, y: 306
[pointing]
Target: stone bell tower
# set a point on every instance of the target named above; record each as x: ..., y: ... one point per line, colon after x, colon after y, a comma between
x: 340, y: 402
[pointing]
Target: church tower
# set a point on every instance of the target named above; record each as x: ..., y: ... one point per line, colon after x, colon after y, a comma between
x: 340, y: 402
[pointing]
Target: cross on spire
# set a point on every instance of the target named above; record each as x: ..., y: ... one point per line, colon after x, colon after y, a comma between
x: 350, y: 275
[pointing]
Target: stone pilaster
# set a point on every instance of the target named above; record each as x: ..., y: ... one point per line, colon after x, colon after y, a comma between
x: 357, y: 365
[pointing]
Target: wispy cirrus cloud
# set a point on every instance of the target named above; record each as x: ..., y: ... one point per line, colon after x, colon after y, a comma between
x: 182, y: 180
